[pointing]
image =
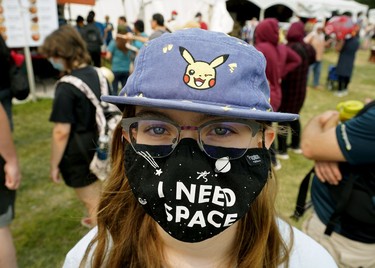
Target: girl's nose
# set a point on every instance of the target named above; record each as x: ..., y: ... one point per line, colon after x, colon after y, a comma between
x: 189, y: 132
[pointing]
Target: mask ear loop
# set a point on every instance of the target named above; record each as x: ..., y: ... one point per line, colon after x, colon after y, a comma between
x: 270, y: 171
x: 263, y: 138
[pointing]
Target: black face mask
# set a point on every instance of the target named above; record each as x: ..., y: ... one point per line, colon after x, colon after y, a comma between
x: 194, y: 197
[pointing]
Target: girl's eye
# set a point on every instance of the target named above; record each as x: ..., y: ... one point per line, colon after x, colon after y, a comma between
x: 221, y: 131
x: 158, y: 130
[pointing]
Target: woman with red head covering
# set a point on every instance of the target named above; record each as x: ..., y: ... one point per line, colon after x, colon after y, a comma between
x: 294, y: 86
x: 280, y: 61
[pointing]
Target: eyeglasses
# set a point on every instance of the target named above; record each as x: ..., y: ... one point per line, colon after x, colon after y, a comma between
x: 217, y: 138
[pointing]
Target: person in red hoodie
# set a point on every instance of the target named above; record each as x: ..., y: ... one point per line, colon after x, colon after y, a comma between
x: 280, y: 58
x: 280, y: 61
x: 294, y: 88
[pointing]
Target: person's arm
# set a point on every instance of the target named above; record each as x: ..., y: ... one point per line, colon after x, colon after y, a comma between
x: 293, y: 60
x: 309, y: 38
x: 110, y: 49
x: 339, y: 45
x: 60, y: 137
x: 131, y: 37
x: 319, y: 143
x: 108, y: 55
x: 8, y: 152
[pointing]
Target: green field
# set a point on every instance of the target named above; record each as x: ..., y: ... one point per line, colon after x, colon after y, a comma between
x: 48, y: 215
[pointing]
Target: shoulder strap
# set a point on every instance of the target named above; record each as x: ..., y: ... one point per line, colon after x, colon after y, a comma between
x: 301, y: 205
x: 103, y: 82
x: 85, y: 89
x: 104, y: 91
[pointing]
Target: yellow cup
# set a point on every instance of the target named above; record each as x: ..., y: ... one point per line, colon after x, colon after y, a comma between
x: 348, y: 109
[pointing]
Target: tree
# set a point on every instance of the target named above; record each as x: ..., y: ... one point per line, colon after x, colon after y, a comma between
x: 370, y: 3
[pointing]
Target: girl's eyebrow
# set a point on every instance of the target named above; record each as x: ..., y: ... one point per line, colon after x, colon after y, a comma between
x: 156, y: 114
x: 161, y: 115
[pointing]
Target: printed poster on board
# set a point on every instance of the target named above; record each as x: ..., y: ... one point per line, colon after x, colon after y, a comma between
x: 27, y: 22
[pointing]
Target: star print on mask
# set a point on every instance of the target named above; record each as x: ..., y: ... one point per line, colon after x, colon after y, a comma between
x: 158, y: 172
x: 151, y: 160
x: 203, y: 175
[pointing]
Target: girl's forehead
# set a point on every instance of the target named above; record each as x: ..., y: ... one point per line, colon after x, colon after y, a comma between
x: 178, y: 116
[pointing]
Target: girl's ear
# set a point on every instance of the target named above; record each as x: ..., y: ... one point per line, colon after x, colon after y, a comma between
x: 269, y: 136
x: 126, y: 136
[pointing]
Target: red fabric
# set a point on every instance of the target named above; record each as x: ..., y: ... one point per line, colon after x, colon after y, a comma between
x: 296, y: 32
x: 203, y: 25
x: 341, y: 26
x: 17, y: 58
x: 289, y: 60
x: 278, y: 57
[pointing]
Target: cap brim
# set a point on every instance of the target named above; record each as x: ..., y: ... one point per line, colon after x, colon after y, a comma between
x: 201, y: 107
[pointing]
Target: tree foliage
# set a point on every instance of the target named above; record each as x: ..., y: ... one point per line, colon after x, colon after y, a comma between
x: 370, y: 3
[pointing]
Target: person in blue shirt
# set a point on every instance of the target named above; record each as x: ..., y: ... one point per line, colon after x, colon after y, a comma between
x: 108, y: 29
x: 97, y: 24
x: 139, y: 30
x: 343, y: 190
x: 80, y: 23
x: 120, y: 57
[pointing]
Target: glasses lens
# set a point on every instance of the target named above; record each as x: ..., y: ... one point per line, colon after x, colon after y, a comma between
x: 226, y: 139
x: 156, y: 137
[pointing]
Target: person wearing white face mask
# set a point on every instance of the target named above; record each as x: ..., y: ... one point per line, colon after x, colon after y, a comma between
x: 57, y: 63
x: 191, y: 182
x: 74, y: 118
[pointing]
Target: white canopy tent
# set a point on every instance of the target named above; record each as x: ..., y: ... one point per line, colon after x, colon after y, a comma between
x: 313, y: 8
x: 214, y: 12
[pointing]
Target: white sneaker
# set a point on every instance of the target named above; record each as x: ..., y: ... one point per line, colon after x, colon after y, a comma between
x: 277, y: 166
x: 283, y: 156
x: 341, y: 93
x: 296, y: 150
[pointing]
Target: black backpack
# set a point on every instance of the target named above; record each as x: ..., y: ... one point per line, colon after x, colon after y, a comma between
x: 355, y: 199
x: 92, y: 37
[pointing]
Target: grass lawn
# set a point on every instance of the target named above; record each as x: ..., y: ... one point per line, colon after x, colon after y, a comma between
x: 48, y: 215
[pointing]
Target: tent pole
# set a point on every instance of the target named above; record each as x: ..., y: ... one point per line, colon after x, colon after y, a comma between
x: 70, y: 13
x: 261, y: 14
x: 30, y: 72
x: 123, y: 6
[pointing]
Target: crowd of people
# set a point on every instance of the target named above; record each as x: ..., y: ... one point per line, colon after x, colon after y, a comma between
x: 196, y: 185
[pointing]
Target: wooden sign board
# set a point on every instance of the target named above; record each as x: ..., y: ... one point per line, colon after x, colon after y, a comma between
x: 27, y: 22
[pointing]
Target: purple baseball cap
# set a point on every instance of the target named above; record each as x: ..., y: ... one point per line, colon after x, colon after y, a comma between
x: 201, y: 71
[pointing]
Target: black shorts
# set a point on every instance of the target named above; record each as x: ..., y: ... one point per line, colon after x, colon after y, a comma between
x: 74, y: 165
x: 7, y: 199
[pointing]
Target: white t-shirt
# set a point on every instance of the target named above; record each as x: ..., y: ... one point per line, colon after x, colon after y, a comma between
x: 306, y: 252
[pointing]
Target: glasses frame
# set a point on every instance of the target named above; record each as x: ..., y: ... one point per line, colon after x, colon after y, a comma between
x: 127, y: 122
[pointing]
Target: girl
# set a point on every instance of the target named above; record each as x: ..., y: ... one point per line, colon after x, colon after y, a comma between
x: 73, y: 114
x: 191, y: 184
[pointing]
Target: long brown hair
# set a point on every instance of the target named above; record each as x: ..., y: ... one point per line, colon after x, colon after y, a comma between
x: 135, y: 241
x: 66, y: 43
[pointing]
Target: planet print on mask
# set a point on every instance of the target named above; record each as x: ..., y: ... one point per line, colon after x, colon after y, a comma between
x: 222, y: 165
